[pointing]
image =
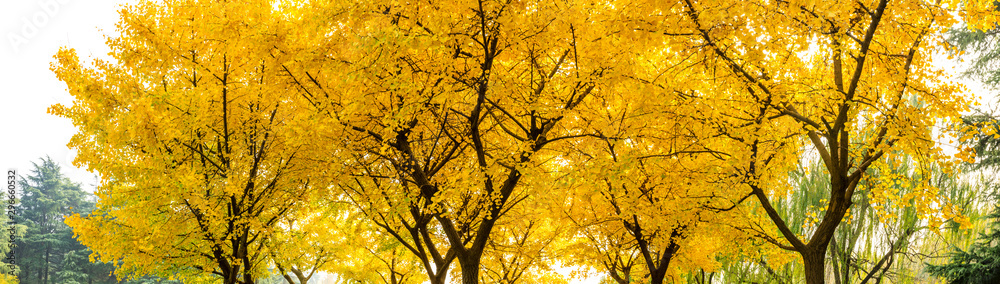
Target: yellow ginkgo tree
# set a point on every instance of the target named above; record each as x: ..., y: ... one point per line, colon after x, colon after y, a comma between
x: 199, y: 146
x: 446, y: 108
x: 849, y: 82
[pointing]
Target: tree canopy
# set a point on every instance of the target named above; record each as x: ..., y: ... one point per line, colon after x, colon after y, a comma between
x: 495, y: 140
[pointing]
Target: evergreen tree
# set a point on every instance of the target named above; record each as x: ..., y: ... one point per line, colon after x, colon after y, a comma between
x: 48, y: 253
x: 981, y: 262
x: 981, y: 47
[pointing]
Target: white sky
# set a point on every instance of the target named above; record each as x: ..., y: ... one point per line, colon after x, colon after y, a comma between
x: 28, y: 88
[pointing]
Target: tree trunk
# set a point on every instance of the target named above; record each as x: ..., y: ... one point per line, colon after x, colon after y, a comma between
x: 48, y: 250
x: 618, y: 278
x: 288, y: 278
x: 889, y: 256
x: 657, y: 276
x: 834, y: 256
x: 231, y: 276
x: 284, y: 273
x: 470, y: 268
x: 303, y: 279
x: 814, y: 261
x: 439, y: 279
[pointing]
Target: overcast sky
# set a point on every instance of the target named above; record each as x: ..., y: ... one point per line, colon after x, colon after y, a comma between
x: 32, y: 31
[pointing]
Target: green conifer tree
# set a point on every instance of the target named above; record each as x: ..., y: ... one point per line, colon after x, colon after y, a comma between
x: 48, y: 253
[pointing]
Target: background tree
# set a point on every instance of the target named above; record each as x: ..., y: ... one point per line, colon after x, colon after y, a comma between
x: 978, y: 42
x: 370, y: 255
x: 526, y: 249
x: 48, y: 253
x: 650, y: 208
x: 980, y: 262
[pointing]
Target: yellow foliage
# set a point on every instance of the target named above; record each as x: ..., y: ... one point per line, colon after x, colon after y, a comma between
x: 237, y: 135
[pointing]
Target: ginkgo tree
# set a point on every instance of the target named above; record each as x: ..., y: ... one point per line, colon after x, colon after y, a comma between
x: 200, y: 147
x: 445, y: 106
x: 649, y: 189
x: 848, y: 81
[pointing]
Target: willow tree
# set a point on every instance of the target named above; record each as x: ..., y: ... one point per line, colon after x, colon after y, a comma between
x: 198, y: 143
